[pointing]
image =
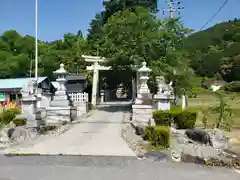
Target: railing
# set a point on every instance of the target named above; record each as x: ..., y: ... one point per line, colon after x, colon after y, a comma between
x: 79, y: 97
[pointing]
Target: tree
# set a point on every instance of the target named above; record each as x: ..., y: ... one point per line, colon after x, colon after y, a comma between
x: 17, y: 54
x: 131, y: 37
x: 112, y: 7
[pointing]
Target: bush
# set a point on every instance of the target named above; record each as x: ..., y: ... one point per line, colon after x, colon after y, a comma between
x: 8, y: 115
x: 175, y: 111
x: 20, y: 121
x: 162, y: 117
x: 158, y: 136
x: 185, y: 119
x: 233, y: 86
x: 149, y: 133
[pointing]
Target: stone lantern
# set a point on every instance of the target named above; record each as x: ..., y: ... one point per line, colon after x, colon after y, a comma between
x: 61, y: 79
x: 142, y: 109
x: 61, y: 109
x: 144, y: 76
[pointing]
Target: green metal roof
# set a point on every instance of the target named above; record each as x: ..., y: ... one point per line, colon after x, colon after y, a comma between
x: 17, y: 83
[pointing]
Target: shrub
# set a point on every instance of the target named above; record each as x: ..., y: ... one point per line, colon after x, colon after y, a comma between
x: 8, y: 115
x: 186, y: 119
x: 232, y: 86
x: 158, y: 136
x: 175, y: 111
x: 162, y: 117
x: 20, y: 121
x: 149, y: 133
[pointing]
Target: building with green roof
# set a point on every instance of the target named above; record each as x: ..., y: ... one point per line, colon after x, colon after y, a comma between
x: 10, y: 89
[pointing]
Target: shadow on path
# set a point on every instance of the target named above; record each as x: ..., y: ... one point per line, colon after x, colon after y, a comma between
x: 122, y: 106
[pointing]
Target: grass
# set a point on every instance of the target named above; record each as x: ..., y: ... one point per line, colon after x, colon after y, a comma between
x: 206, y: 100
x: 155, y: 148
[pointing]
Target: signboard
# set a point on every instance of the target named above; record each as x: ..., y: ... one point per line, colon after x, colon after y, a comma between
x: 2, y: 97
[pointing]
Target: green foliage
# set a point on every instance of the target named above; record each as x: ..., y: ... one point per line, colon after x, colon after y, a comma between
x: 20, y: 121
x: 216, y: 51
x: 205, y: 119
x: 232, y: 86
x: 224, y: 119
x: 8, y: 115
x: 149, y: 133
x: 127, y: 33
x: 112, y: 7
x: 158, y: 135
x: 186, y: 119
x: 17, y: 54
x: 162, y: 118
x: 141, y: 36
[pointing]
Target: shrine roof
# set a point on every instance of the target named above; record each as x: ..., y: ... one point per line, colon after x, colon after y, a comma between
x: 17, y: 83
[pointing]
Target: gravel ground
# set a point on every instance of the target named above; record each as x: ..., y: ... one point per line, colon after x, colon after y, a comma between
x: 135, y: 142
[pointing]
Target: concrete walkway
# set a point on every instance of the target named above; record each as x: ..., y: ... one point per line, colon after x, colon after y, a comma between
x: 99, y: 134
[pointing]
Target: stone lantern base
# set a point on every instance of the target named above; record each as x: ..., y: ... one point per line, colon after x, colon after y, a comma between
x: 163, y: 102
x: 57, y: 116
x: 142, y: 114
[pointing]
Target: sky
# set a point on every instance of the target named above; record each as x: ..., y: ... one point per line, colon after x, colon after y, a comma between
x: 57, y: 17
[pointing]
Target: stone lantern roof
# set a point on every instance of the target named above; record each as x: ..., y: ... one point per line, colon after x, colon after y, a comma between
x: 144, y: 68
x: 61, y: 70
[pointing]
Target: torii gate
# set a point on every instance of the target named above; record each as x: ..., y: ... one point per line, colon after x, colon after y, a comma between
x: 95, y: 68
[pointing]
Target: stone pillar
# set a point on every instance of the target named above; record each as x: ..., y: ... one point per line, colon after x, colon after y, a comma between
x: 142, y: 109
x: 60, y: 109
x: 102, y: 96
x: 134, y: 91
x: 137, y: 81
x: 95, y: 83
x: 183, y: 102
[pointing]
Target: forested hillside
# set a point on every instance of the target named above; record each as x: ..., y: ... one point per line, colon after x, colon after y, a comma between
x: 215, y: 52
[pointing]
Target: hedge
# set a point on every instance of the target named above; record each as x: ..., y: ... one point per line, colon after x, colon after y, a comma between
x: 8, y: 115
x: 20, y: 121
x: 158, y: 135
x: 185, y: 119
x: 162, y: 118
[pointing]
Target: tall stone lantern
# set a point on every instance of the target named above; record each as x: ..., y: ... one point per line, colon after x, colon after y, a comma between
x: 144, y: 92
x: 144, y: 76
x: 61, y: 79
x: 142, y: 109
x: 61, y: 109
